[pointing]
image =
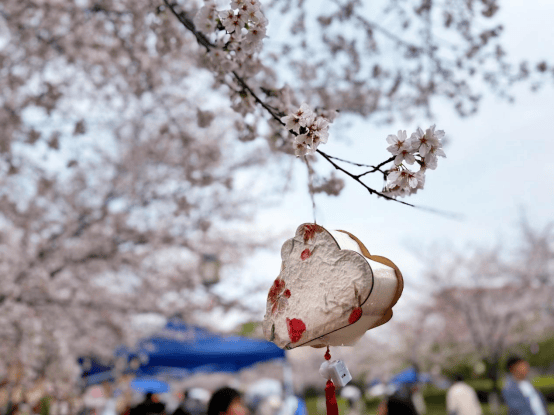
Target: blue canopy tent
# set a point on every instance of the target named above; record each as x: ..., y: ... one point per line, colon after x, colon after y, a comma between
x: 406, y: 376
x: 410, y: 376
x: 147, y: 385
x: 180, y: 349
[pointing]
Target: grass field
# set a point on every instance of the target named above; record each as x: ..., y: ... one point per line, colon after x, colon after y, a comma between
x: 432, y: 408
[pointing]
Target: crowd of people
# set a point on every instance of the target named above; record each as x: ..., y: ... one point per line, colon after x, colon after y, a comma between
x: 103, y: 400
x: 225, y: 401
x: 518, y: 394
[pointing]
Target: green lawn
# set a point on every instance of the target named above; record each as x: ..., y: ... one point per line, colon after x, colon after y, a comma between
x: 435, y: 399
x: 543, y: 381
x: 432, y: 408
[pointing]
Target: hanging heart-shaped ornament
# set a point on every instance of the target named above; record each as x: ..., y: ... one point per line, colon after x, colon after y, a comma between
x: 330, y: 290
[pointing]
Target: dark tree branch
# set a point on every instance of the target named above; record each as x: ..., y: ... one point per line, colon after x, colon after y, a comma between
x: 357, y: 179
x: 190, y: 26
x: 374, y: 168
x: 258, y: 100
x: 204, y: 42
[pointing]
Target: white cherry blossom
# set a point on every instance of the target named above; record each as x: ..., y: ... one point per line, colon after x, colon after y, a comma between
x: 301, y: 146
x: 256, y: 16
x: 253, y: 3
x: 403, y: 182
x: 319, y: 131
x: 429, y: 162
x: 206, y: 18
x: 320, y: 127
x: 314, y: 128
x: 255, y: 36
x: 397, y: 141
x: 423, y: 142
x: 231, y: 21
x: 237, y: 4
x: 405, y: 154
x: 431, y: 159
x: 300, y: 118
x: 304, y: 139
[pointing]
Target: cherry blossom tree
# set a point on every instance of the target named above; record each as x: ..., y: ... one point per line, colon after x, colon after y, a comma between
x: 139, y: 136
x: 535, y: 256
x: 486, y: 302
x: 113, y: 176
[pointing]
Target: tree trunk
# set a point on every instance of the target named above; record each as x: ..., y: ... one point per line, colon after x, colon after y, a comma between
x: 494, y: 397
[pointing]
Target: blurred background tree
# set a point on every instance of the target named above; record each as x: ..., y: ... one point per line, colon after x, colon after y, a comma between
x: 124, y: 168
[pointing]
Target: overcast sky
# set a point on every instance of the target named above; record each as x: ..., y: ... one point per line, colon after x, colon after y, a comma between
x: 498, y: 163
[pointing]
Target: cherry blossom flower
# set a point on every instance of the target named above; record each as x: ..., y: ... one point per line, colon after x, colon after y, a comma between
x: 256, y: 16
x: 430, y: 160
x: 423, y: 142
x: 319, y: 132
x: 320, y: 127
x: 405, y: 153
x: 235, y: 50
x: 403, y: 178
x: 403, y: 182
x: 237, y: 4
x: 255, y: 36
x: 315, y: 129
x: 300, y: 118
x: 300, y: 149
x: 231, y: 21
x: 253, y: 3
x: 206, y: 18
x: 301, y: 144
x: 397, y: 141
x: 220, y: 62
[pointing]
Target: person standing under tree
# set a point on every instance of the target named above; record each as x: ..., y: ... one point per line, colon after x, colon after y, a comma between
x: 519, y: 394
x: 461, y: 398
x: 227, y: 401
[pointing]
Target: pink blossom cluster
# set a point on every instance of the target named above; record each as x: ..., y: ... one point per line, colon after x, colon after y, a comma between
x: 238, y: 34
x: 311, y: 129
x: 421, y: 147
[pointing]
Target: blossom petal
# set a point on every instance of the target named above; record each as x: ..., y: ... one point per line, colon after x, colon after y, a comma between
x: 393, y: 176
x: 409, y: 158
x: 412, y: 182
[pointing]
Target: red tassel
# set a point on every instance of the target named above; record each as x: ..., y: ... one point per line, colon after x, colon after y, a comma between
x: 331, y: 400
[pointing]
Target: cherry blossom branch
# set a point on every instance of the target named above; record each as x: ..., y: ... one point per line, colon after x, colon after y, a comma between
x: 400, y: 173
x: 374, y: 168
x: 257, y: 99
x: 182, y: 17
x: 378, y: 168
x: 325, y: 155
x: 357, y: 179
